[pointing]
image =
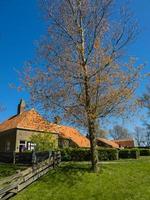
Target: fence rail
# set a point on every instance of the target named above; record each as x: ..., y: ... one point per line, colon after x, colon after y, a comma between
x: 24, y: 157
x: 15, y: 183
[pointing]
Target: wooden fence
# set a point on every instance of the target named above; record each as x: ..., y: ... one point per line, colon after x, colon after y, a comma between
x: 6, y: 157
x: 15, y: 183
x: 24, y: 157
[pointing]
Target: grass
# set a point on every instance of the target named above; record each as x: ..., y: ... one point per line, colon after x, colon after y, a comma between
x: 8, y: 170
x: 128, y: 180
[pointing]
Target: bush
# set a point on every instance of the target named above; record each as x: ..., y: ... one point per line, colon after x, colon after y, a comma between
x: 80, y: 154
x: 107, y: 154
x: 75, y: 154
x: 144, y: 152
x: 129, y: 153
x: 65, y: 154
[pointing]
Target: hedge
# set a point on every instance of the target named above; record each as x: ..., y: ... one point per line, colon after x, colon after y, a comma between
x: 75, y: 154
x: 144, y: 152
x: 129, y: 153
x: 80, y: 154
x: 107, y: 154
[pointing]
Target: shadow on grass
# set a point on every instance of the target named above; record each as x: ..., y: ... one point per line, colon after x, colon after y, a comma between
x: 68, y: 174
x: 9, y: 169
x: 75, y: 166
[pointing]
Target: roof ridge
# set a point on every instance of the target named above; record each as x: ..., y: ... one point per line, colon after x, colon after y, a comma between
x: 107, y: 139
x: 123, y: 139
x: 9, y: 118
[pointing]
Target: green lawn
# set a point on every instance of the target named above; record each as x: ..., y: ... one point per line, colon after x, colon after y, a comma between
x: 125, y: 180
x: 8, y: 170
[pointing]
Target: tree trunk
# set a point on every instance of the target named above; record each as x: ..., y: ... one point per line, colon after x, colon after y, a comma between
x: 94, y: 156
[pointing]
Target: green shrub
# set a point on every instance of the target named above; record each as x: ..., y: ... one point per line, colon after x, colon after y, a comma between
x: 134, y: 153
x: 107, y: 154
x: 80, y: 154
x: 75, y: 154
x: 65, y: 154
x: 144, y: 152
x: 129, y: 153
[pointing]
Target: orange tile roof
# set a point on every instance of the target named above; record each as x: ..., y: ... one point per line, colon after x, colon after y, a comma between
x: 108, y: 142
x: 74, y: 135
x: 125, y: 142
x: 31, y: 120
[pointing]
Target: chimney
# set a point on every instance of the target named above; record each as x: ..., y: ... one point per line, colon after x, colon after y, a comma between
x: 57, y: 120
x: 21, y: 107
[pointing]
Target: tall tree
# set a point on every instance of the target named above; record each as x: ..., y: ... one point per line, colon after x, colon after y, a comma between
x: 118, y: 132
x: 82, y: 77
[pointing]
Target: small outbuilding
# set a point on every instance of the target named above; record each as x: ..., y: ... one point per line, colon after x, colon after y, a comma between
x: 125, y: 143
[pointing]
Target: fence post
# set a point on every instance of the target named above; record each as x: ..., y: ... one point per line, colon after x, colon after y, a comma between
x: 34, y: 158
x: 54, y: 156
x: 59, y: 157
x: 49, y: 156
x: 117, y: 155
x: 14, y: 157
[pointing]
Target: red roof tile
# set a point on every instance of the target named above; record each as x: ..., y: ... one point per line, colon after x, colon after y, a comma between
x: 31, y: 120
x: 108, y: 142
x: 125, y: 142
x: 73, y: 134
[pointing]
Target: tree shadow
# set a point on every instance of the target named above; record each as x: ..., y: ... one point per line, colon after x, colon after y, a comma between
x: 75, y: 166
x: 68, y: 174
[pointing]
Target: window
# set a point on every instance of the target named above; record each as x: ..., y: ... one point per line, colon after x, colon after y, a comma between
x: 63, y: 143
x: 22, y: 146
x: 30, y: 146
x: 22, y: 142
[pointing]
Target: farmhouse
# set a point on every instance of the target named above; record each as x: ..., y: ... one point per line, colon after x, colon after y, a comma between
x: 15, y: 133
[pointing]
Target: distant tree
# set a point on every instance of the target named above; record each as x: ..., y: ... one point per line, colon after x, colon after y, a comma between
x: 100, y: 133
x: 83, y: 77
x: 43, y: 141
x: 139, y: 135
x: 145, y: 102
x: 147, y: 136
x: 118, y: 132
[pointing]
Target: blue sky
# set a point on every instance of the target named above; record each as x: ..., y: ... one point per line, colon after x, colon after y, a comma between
x: 21, y: 24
